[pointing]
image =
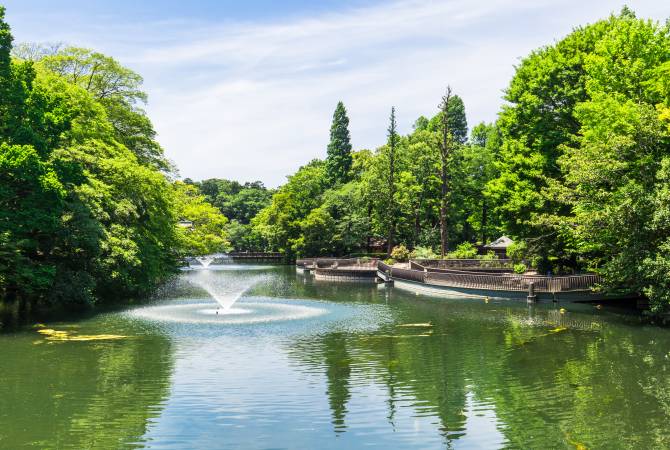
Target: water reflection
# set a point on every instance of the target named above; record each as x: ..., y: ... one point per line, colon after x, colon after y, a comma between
x: 91, y: 394
x: 377, y: 367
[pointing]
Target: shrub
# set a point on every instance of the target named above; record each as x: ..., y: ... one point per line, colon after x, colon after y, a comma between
x: 517, y: 251
x: 400, y: 253
x: 465, y: 250
x: 520, y: 268
x: 389, y: 261
x: 423, y: 253
x: 490, y: 256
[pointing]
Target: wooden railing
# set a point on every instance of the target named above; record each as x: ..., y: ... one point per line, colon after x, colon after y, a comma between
x: 513, y: 282
x: 383, y: 267
x: 408, y: 274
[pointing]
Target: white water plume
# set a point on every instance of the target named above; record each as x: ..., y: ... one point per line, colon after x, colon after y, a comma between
x: 226, y: 290
x: 206, y: 260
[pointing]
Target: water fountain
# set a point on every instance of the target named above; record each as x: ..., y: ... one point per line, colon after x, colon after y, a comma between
x: 224, y: 285
x: 206, y: 260
x: 225, y: 290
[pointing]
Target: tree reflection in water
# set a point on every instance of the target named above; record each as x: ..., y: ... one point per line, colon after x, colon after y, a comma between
x: 91, y: 394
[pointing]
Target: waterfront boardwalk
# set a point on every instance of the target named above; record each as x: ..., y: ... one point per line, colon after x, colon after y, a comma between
x: 481, y: 279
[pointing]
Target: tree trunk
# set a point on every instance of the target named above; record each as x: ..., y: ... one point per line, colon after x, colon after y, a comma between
x: 444, y: 234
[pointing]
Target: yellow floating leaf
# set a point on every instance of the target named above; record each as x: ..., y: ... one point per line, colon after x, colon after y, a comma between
x: 55, y: 335
x: 557, y: 329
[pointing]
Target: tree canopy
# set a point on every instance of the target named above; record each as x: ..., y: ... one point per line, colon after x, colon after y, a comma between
x: 87, y: 212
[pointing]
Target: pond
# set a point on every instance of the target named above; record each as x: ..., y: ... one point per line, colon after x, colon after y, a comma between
x: 300, y: 363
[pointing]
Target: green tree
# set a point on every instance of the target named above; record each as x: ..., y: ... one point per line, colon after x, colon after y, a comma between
x: 446, y: 145
x: 392, y: 209
x: 280, y: 222
x: 118, y: 89
x: 338, y: 162
x: 207, y: 234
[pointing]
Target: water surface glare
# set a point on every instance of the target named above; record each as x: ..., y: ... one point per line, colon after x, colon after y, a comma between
x: 299, y: 363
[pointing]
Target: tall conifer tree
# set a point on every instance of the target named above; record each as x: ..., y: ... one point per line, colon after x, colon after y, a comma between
x: 338, y: 162
x: 392, y: 213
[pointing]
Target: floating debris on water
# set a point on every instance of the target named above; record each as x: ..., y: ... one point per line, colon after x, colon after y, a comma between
x: 557, y: 329
x: 58, y: 335
x: 417, y: 325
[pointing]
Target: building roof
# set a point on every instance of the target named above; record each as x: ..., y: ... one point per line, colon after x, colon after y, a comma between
x: 500, y: 243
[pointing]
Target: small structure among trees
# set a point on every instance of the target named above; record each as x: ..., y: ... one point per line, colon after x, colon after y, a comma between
x: 499, y: 246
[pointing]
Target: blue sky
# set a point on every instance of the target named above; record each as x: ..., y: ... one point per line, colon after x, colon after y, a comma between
x: 246, y: 89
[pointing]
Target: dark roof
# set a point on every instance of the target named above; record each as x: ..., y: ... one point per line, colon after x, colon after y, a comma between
x: 500, y: 243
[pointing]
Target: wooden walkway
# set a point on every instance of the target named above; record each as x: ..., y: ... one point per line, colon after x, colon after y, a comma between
x: 479, y: 282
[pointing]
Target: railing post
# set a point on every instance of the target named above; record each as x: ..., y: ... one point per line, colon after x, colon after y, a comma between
x: 532, y: 298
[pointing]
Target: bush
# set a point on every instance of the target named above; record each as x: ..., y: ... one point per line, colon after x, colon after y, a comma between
x: 517, y: 251
x: 490, y: 256
x: 423, y: 253
x: 520, y: 268
x: 400, y: 253
x: 389, y: 261
x: 465, y: 250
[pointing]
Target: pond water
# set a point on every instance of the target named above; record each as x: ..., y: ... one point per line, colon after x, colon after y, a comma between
x: 299, y: 363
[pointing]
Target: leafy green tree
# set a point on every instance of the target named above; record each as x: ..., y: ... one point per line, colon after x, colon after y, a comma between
x: 280, y: 222
x: 85, y: 217
x: 118, y: 89
x: 338, y: 162
x: 31, y: 202
x: 207, y: 234
x: 475, y: 168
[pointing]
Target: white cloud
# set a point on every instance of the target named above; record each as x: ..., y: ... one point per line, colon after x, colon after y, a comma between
x: 254, y: 100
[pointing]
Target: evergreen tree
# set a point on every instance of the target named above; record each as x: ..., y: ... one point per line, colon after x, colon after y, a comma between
x: 338, y: 162
x: 446, y: 145
x: 392, y: 144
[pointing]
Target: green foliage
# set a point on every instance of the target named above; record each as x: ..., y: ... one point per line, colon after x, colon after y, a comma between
x: 400, y: 253
x: 280, y: 223
x: 338, y: 162
x: 85, y: 212
x: 239, y: 203
x: 118, y: 90
x: 423, y: 253
x: 465, y: 250
x: 489, y: 256
x: 208, y: 234
x: 520, y: 268
x: 584, y: 156
x: 517, y: 251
